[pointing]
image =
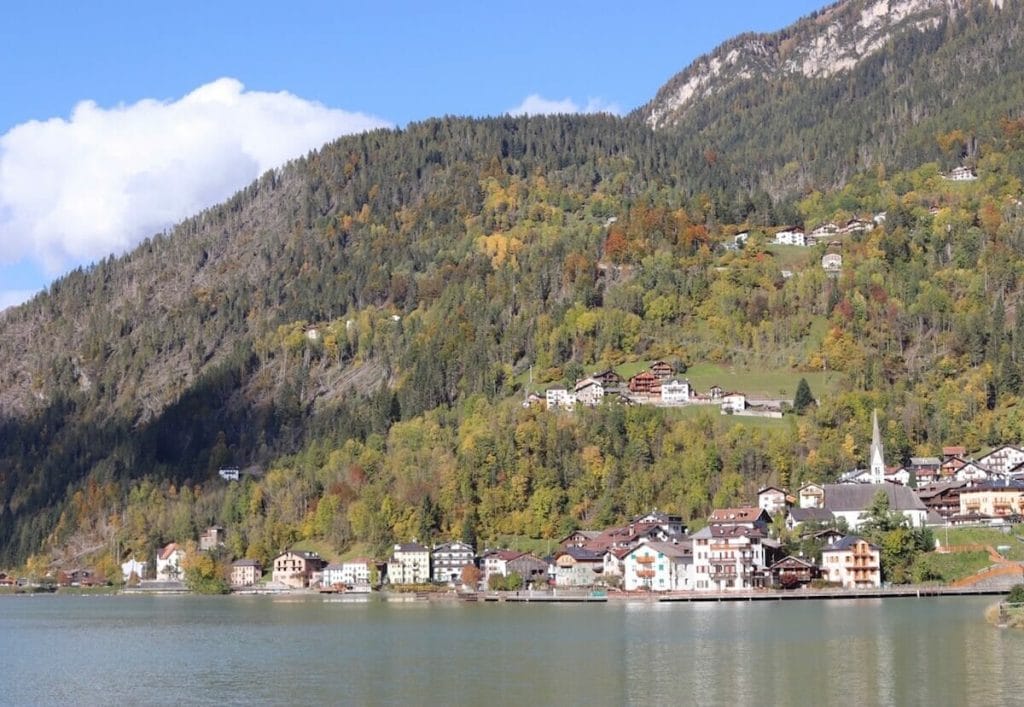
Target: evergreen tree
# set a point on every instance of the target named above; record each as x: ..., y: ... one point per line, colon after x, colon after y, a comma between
x: 803, y: 398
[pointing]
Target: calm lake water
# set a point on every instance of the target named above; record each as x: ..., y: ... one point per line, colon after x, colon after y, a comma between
x: 269, y: 650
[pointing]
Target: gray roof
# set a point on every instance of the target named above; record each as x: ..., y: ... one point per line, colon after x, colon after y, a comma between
x: 846, y: 543
x: 668, y: 549
x: 803, y: 515
x: 858, y: 497
x: 925, y: 461
x: 245, y: 563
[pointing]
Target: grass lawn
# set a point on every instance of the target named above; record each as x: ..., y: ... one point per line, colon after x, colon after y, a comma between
x: 793, y: 257
x: 985, y: 536
x: 759, y: 383
x: 320, y: 547
x: 713, y: 411
x: 953, y: 566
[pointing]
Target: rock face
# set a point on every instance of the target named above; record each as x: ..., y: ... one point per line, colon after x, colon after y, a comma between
x: 820, y: 46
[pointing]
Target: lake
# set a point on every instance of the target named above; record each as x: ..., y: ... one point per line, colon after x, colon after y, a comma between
x: 276, y: 650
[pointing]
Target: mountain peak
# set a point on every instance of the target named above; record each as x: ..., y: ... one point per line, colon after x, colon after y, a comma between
x: 828, y: 42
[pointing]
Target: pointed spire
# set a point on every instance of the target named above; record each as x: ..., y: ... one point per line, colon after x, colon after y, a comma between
x: 877, y: 458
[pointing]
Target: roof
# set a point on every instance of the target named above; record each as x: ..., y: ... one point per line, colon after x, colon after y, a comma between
x: 503, y: 555
x: 847, y: 543
x: 1007, y: 485
x: 745, y: 514
x: 411, y: 547
x: 169, y: 550
x: 668, y: 549
x: 334, y: 566
x: 304, y: 554
x: 728, y: 531
x: 770, y: 488
x: 246, y: 563
x: 582, y: 554
x: 954, y: 451
x: 925, y: 461
x: 452, y: 545
x: 789, y: 561
x: 858, y: 497
x: 804, y: 515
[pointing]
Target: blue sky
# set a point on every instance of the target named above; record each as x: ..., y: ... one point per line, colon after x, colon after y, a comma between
x: 159, y: 139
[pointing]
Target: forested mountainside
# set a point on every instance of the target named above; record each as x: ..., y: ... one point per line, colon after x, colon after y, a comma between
x: 357, y: 330
x: 857, y: 85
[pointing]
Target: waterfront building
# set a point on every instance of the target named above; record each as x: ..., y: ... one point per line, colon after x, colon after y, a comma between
x: 296, y: 568
x: 409, y: 564
x: 246, y: 573
x: 658, y: 567
x: 853, y: 563
x: 448, y: 559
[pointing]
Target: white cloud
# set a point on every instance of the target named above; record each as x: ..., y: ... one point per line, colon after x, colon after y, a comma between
x: 535, y: 104
x: 74, y: 190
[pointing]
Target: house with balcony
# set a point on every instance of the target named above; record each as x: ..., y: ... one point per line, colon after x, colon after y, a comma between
x: 296, y: 568
x: 811, y: 496
x: 556, y: 398
x: 658, y: 567
x: 448, y: 559
x: 852, y: 562
x: 998, y: 500
x: 409, y: 564
x: 791, y: 572
x: 589, y: 392
x: 1003, y: 460
x: 731, y: 557
x: 246, y: 573
x: 675, y: 392
x: 578, y: 567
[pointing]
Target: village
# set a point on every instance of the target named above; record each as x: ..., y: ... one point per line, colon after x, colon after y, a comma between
x: 736, y: 549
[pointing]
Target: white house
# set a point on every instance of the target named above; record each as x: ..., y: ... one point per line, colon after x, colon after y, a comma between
x: 832, y: 262
x: 228, y: 474
x: 657, y: 566
x: 448, y: 560
x: 409, y: 564
x: 771, y: 499
x: 728, y: 557
x: 791, y: 236
x: 811, y: 496
x: 559, y: 398
x: 852, y: 501
x: 589, y: 392
x: 131, y: 567
x: 1003, y: 459
x: 675, y: 392
x: 733, y: 403
x: 354, y: 573
x: 825, y: 230
x: 168, y: 562
x: 962, y: 174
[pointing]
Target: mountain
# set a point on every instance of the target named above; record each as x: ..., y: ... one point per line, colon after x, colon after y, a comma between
x: 356, y: 330
x: 857, y: 85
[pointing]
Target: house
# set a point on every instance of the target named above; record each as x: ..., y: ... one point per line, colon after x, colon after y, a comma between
x: 715, y: 392
x: 246, y: 573
x: 578, y: 567
x: 531, y: 568
x: 962, y: 174
x: 609, y: 379
x: 791, y: 572
x: 811, y: 496
x: 730, y: 557
x: 670, y: 524
x: 923, y: 470
x: 409, y: 564
x: 228, y: 474
x: 853, y: 563
x: 943, y: 497
x: 745, y: 516
x: 133, y: 566
x: 832, y: 262
x: 733, y: 403
x: 795, y: 517
x: 559, y: 398
x: 995, y: 500
x: 614, y: 561
x: 662, y: 370
x: 578, y: 538
x: 1003, y: 459
x: 295, y: 568
x: 824, y: 231
x: 852, y: 501
x: 828, y: 536
x: 793, y: 235
x: 975, y: 472
x: 771, y: 499
x: 213, y: 538
x: 645, y: 383
x: 589, y: 392
x: 448, y: 560
x: 657, y: 567
x: 168, y: 562
x: 857, y: 225
x: 675, y: 392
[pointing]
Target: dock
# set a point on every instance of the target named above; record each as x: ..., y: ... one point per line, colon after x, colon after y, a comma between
x: 826, y: 594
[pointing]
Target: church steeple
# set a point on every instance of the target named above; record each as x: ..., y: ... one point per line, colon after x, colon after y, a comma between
x: 877, y: 458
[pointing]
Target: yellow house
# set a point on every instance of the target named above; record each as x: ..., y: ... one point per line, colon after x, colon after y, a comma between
x: 993, y: 500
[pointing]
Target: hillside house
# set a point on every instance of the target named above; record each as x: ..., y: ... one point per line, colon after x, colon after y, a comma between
x: 646, y: 384
x: 795, y: 517
x: 675, y: 392
x: 609, y: 379
x: 559, y: 398
x: 662, y: 370
x: 832, y: 262
x: 1003, y: 459
x: 793, y: 235
x: 962, y: 174
x: 772, y: 499
x: 811, y: 496
x: 589, y: 392
x: 212, y: 538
